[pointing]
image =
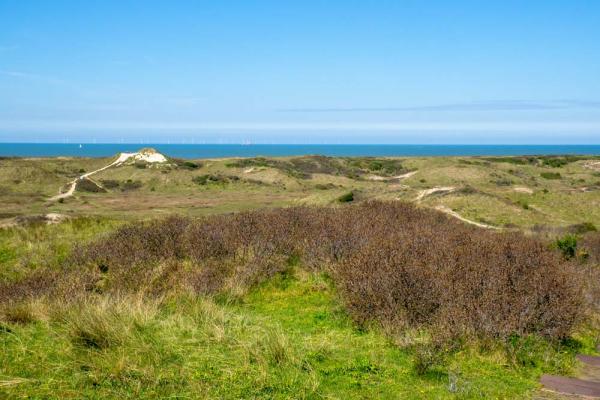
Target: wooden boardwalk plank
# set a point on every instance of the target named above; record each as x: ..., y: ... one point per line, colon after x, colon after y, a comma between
x: 571, y: 385
x: 589, y: 360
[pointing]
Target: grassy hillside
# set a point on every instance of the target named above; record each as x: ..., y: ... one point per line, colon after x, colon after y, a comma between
x: 502, y: 191
x: 344, y: 299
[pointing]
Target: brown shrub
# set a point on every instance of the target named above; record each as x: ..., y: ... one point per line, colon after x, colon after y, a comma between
x: 590, y: 243
x: 488, y: 285
x: 88, y: 185
x: 38, y: 284
x: 393, y: 264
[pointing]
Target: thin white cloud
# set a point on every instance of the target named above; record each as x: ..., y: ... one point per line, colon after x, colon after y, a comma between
x: 33, y: 77
x: 588, y: 126
x: 491, y: 105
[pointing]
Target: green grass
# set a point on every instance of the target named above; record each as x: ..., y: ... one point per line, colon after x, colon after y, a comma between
x: 26, y: 248
x: 551, y: 175
x: 26, y: 185
x: 288, y: 338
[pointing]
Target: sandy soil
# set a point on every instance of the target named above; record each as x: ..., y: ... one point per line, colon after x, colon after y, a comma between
x: 150, y: 157
x: 523, y: 190
x: 437, y: 189
x: 390, y: 178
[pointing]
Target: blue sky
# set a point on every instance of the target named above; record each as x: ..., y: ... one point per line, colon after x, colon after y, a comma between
x: 300, y: 71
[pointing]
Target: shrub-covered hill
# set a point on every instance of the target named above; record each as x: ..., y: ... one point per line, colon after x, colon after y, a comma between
x: 373, y: 298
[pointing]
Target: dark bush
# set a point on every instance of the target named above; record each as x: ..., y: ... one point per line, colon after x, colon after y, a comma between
x: 210, y: 178
x: 503, y: 182
x: 555, y: 162
x: 550, y: 175
x: 590, y: 243
x: 524, y: 204
x: 130, y: 185
x: 324, y: 186
x: 110, y: 183
x: 567, y: 245
x: 582, y: 228
x: 191, y: 165
x: 87, y: 185
x: 346, y: 197
x: 513, y: 160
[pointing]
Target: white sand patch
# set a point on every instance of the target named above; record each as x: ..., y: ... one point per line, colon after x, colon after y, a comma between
x: 49, y: 219
x: 595, y: 165
x: 390, y: 178
x: 523, y: 190
x: 55, y: 218
x: 149, y: 156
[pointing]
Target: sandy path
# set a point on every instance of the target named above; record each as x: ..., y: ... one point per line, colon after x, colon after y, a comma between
x: 456, y: 215
x: 73, y: 184
x: 390, y: 178
x: 523, y: 190
x: 437, y: 189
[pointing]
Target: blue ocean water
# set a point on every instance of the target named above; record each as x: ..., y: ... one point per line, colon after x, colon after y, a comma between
x: 238, y: 150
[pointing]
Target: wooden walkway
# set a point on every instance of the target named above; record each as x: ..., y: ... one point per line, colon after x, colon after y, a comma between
x: 587, y: 386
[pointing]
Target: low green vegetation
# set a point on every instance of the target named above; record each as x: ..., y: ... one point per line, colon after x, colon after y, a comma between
x: 305, y: 167
x: 210, y: 178
x: 547, y: 161
x: 551, y: 175
x: 297, y: 277
x: 287, y: 339
x: 567, y: 245
x: 583, y: 227
x: 288, y: 303
x: 237, y: 184
x: 87, y: 185
x: 346, y: 197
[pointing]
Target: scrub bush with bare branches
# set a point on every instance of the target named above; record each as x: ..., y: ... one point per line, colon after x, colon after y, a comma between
x: 393, y: 264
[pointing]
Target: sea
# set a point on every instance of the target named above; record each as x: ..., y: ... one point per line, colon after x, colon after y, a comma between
x: 193, y: 151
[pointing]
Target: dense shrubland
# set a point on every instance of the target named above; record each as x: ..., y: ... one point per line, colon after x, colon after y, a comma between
x: 545, y: 161
x: 393, y: 264
x: 304, y: 167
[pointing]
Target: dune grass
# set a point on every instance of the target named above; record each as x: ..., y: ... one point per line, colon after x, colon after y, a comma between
x: 288, y: 338
x: 26, y: 248
x: 26, y: 185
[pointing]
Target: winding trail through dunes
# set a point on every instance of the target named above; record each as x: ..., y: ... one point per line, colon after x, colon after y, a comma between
x: 456, y: 215
x: 437, y: 189
x: 390, y: 178
x: 73, y: 184
x: 447, y: 189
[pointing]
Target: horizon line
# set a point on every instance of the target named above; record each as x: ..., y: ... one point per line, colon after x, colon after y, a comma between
x: 300, y: 144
